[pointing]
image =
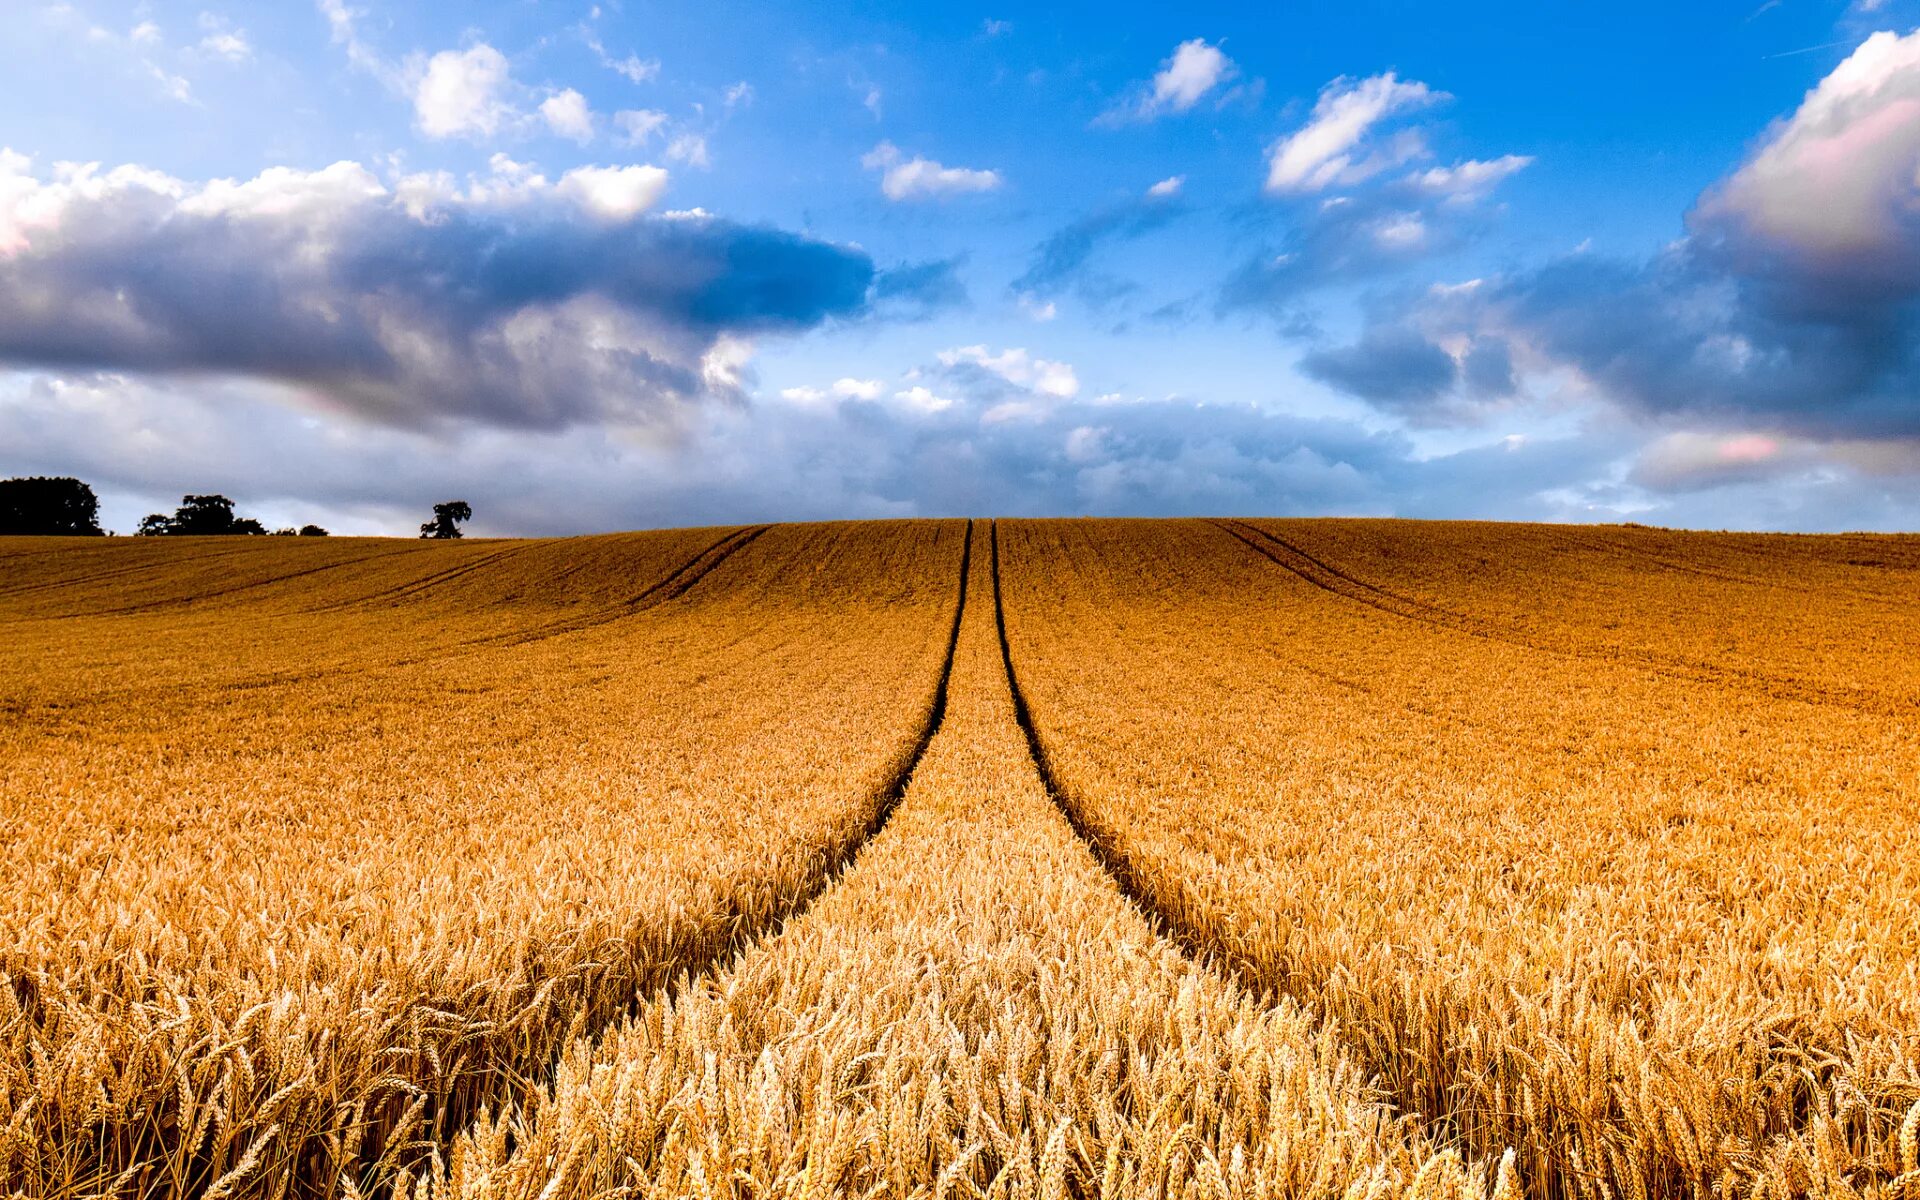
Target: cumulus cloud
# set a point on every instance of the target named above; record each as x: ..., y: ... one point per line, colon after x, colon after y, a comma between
x: 568, y: 115
x: 1833, y: 188
x: 1328, y: 149
x: 1788, y: 313
x: 918, y: 178
x: 1793, y: 303
x: 616, y: 194
x: 1194, y: 69
x: 459, y: 93
x: 511, y: 301
x: 1167, y: 187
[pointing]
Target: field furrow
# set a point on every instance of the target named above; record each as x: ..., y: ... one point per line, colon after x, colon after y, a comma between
x: 1151, y: 860
x: 1655, y: 933
x: 295, y: 936
x: 1770, y: 682
x: 972, y: 1010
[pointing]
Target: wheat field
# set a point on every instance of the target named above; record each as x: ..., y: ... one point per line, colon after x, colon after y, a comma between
x: 963, y: 860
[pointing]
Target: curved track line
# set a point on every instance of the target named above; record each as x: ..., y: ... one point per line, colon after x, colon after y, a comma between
x: 672, y: 586
x: 1178, y: 927
x: 745, y: 931
x: 1348, y: 587
x: 1103, y: 844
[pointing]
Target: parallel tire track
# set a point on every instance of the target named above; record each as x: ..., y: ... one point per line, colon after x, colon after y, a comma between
x: 1332, y: 580
x: 1169, y: 911
x: 1172, y: 913
x: 1165, y: 920
x: 672, y: 586
x: 745, y: 930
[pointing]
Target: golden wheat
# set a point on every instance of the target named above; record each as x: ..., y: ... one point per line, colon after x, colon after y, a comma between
x: 296, y: 925
x: 1590, y: 871
x: 1237, y: 859
x: 973, y: 1010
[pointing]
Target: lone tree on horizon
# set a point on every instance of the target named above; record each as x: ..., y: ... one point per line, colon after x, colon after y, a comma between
x: 198, y: 515
x: 44, y: 506
x: 446, y: 520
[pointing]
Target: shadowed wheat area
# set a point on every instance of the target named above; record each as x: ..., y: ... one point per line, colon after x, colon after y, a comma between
x: 944, y: 859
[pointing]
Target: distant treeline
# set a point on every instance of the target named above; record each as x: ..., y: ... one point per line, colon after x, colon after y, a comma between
x: 66, y: 507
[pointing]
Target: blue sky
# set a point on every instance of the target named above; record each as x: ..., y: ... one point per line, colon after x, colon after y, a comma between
x: 614, y: 265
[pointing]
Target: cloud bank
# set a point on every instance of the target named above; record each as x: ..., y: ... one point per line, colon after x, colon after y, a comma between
x: 1792, y: 305
x: 513, y: 300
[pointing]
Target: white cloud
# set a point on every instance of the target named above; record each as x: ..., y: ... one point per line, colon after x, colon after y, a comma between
x: 344, y: 24
x: 1400, y: 231
x: 739, y: 94
x: 1169, y: 186
x: 908, y: 179
x: 459, y: 93
x: 1321, y: 153
x: 691, y: 149
x: 724, y: 368
x: 1195, y: 69
x: 613, y: 193
x: 637, y: 125
x: 175, y: 86
x: 1837, y: 180
x: 993, y: 28
x: 146, y: 33
x: 568, y: 115
x: 221, y: 40
x: 634, y: 68
x: 842, y: 389
x: 1016, y: 366
x: 232, y: 46
x: 923, y: 399
x: 1468, y: 181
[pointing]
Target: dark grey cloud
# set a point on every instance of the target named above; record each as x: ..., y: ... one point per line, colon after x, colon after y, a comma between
x: 1792, y: 305
x: 1065, y: 261
x: 919, y: 291
x: 1392, y: 366
x: 534, y: 306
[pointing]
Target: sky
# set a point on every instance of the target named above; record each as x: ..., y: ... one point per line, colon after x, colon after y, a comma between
x: 595, y: 266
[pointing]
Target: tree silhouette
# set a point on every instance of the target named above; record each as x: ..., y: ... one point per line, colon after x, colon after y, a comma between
x: 198, y: 516
x: 48, y: 506
x: 446, y: 520
x: 312, y: 531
